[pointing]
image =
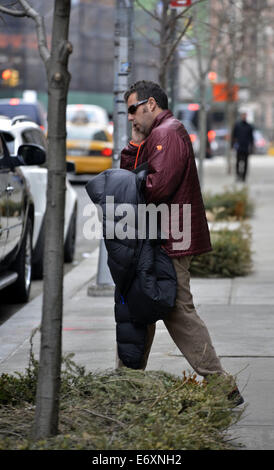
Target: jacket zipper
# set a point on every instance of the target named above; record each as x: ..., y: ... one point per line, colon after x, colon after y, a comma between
x: 138, y: 151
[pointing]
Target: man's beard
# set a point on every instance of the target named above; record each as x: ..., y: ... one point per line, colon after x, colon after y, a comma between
x: 145, y: 129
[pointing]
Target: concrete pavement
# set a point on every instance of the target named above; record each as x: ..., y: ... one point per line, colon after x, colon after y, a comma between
x: 239, y: 314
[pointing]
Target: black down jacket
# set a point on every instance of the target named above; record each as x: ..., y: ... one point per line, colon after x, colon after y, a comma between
x: 143, y: 274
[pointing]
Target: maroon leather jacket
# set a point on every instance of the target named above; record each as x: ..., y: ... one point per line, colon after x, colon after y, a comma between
x: 172, y: 179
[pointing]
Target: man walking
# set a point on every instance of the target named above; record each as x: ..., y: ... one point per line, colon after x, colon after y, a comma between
x: 242, y: 141
x: 162, y: 141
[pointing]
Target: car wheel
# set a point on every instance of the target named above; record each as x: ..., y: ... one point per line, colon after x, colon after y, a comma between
x: 20, y: 290
x: 69, y: 247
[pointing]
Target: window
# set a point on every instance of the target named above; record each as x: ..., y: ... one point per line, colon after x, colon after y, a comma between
x: 28, y: 137
x: 2, y: 157
x: 1, y: 148
x: 9, y: 139
x: 34, y: 136
x: 100, y: 136
x: 39, y: 138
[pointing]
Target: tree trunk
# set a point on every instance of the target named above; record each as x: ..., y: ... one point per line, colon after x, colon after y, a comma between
x: 230, y: 125
x: 202, y: 130
x: 47, y: 398
x: 163, y: 70
x: 173, y: 64
x: 230, y: 108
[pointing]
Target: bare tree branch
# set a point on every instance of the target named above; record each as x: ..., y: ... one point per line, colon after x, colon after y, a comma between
x: 30, y: 12
x: 10, y: 11
x: 154, y: 44
x: 147, y: 11
x: 40, y: 29
x: 182, y: 13
x: 175, y: 44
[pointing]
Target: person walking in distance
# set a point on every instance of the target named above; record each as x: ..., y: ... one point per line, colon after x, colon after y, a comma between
x: 242, y: 141
x: 162, y: 142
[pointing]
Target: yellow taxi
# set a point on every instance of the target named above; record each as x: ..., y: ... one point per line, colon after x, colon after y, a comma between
x: 89, y: 147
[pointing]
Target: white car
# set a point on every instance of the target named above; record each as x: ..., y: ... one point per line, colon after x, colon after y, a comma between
x: 88, y: 113
x: 19, y: 131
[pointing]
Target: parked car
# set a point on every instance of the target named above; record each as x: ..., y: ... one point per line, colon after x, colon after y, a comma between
x: 194, y: 137
x: 188, y: 112
x: 261, y: 143
x: 17, y: 132
x: 17, y: 107
x: 17, y: 217
x: 89, y: 147
x: 219, y: 141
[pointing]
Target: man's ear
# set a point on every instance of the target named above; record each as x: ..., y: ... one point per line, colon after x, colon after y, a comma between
x: 152, y: 104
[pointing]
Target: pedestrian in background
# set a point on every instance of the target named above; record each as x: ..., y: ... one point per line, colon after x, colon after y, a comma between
x: 163, y: 143
x: 242, y: 141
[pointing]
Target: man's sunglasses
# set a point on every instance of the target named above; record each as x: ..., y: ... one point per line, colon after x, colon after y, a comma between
x: 133, y: 108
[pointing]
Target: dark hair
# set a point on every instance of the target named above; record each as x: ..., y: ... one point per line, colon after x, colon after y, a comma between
x: 145, y: 89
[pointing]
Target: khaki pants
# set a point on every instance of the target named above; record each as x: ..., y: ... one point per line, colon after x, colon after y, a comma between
x: 186, y: 328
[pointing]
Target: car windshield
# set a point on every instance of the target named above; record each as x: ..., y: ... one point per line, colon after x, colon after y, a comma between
x: 81, y: 116
x: 84, y: 115
x: 85, y: 133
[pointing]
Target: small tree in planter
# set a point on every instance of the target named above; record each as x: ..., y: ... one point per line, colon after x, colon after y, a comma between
x: 231, y: 255
x: 232, y: 204
x: 58, y: 77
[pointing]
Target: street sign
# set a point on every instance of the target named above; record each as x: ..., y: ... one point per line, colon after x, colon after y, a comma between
x: 224, y: 92
x: 180, y: 3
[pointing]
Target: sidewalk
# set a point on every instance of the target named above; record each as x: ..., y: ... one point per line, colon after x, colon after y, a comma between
x: 239, y: 314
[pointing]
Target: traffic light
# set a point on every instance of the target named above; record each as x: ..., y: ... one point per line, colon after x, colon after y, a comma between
x: 212, y: 76
x: 10, y: 77
x: 6, y: 75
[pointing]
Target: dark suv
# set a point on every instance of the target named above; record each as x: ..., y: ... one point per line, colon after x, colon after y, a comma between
x: 16, y: 220
x: 16, y: 107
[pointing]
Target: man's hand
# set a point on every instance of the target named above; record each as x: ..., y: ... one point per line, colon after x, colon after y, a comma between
x: 137, y: 136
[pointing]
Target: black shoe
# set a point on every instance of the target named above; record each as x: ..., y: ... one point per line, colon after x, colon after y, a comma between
x: 235, y: 397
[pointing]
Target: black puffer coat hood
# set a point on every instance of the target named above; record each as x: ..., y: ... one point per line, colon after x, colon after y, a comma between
x: 143, y: 274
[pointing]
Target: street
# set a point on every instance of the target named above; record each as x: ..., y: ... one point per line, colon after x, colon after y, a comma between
x: 83, y: 250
